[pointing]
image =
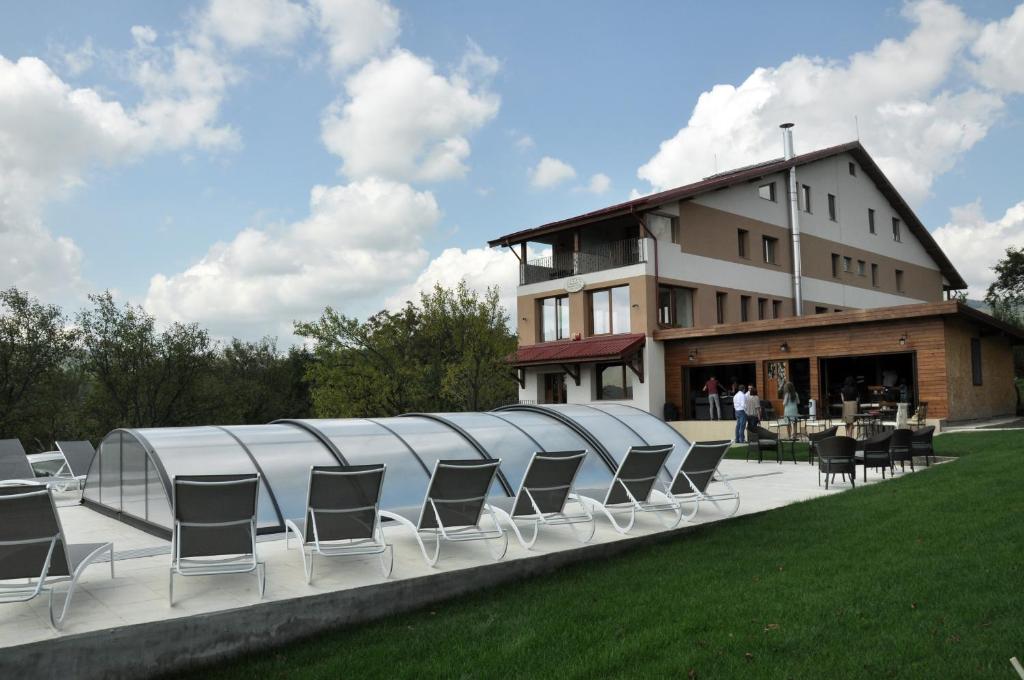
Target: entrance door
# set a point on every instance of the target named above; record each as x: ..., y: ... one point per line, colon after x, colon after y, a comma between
x: 554, y: 388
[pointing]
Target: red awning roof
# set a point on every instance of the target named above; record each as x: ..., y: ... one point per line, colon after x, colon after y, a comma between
x: 600, y: 348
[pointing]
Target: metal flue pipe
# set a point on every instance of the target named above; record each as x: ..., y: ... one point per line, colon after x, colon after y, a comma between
x: 794, y: 220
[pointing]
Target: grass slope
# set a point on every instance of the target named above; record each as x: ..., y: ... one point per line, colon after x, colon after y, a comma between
x: 917, y: 578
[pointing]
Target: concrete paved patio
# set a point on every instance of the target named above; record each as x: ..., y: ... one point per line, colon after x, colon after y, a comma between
x: 133, y: 609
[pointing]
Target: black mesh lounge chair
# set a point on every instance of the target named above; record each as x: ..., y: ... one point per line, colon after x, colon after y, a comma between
x: 900, y: 450
x: 697, y: 472
x: 34, y: 552
x: 342, y: 516
x: 814, y: 437
x: 760, y: 440
x: 15, y: 468
x: 78, y: 457
x: 454, y: 507
x: 874, y: 453
x: 215, y: 527
x: 543, y: 495
x: 632, y: 489
x: 836, y: 456
x: 921, y: 444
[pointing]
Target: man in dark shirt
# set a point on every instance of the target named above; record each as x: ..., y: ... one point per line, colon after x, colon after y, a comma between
x: 711, y: 387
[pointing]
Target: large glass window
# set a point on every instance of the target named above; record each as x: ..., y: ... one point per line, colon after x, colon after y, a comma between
x: 613, y: 382
x: 554, y: 318
x: 675, y: 306
x: 609, y: 310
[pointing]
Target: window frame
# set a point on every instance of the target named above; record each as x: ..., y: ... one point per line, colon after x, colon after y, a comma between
x: 540, y: 317
x: 853, y: 169
x: 772, y: 196
x: 744, y: 308
x: 743, y: 243
x: 833, y: 208
x: 897, y: 230
x: 762, y: 308
x: 770, y: 247
x: 673, y: 320
x: 611, y: 310
x: 977, y: 378
x: 871, y: 221
x: 862, y: 268
x: 776, y: 308
x: 721, y: 300
x: 835, y: 265
x: 899, y: 281
x: 627, y: 384
x: 805, y: 195
x: 874, y: 275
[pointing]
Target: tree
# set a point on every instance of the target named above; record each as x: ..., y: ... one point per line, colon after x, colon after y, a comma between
x: 254, y: 383
x: 36, y: 346
x: 145, y: 378
x: 1005, y: 295
x: 446, y: 354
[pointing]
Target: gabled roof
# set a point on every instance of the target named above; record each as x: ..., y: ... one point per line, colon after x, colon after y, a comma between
x: 746, y: 174
x: 597, y: 348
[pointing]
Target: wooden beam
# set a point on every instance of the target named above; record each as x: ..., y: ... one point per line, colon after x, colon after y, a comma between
x: 520, y: 376
x: 575, y: 375
x: 636, y: 364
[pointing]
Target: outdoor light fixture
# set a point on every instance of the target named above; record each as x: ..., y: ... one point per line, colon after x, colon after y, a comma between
x: 784, y: 347
x: 693, y: 355
x: 903, y: 340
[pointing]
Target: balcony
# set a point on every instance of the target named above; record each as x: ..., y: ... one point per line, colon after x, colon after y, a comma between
x: 592, y: 258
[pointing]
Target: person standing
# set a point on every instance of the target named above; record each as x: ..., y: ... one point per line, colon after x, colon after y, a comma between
x: 850, y: 394
x: 790, y: 406
x: 739, y: 404
x: 714, y: 403
x: 752, y: 408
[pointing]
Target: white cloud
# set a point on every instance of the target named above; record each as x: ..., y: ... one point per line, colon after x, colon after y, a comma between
x: 913, y: 126
x: 999, y: 51
x: 550, y: 172
x: 975, y: 244
x: 143, y: 35
x: 524, y: 142
x: 267, y: 24
x: 355, y: 30
x: 402, y: 120
x: 359, y: 241
x: 480, y: 268
x: 80, y: 60
x: 598, y: 184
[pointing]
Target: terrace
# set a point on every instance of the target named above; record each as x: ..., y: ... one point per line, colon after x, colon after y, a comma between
x: 603, y: 246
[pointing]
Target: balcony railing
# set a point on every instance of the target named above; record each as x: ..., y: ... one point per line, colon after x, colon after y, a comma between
x: 593, y: 258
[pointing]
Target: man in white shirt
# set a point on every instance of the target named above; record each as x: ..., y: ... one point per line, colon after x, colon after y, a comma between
x: 739, y: 404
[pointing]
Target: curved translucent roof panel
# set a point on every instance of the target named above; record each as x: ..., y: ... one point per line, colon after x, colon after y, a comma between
x: 653, y: 430
x: 133, y: 469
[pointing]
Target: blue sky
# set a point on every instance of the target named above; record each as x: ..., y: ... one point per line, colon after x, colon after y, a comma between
x: 173, y: 162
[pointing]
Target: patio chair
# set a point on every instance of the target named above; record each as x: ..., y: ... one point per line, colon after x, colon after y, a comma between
x: 900, y: 450
x: 342, y: 516
x: 454, y: 506
x: 35, y: 553
x: 874, y: 453
x: 760, y: 440
x: 214, y: 528
x: 697, y: 472
x: 836, y: 456
x: 543, y: 496
x: 815, y: 437
x: 921, y: 415
x: 78, y: 457
x: 921, y: 444
x: 14, y: 465
x: 632, y: 489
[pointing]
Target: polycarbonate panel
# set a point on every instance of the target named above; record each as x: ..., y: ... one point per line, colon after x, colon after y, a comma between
x: 206, y: 451
x: 133, y: 478
x: 500, y: 439
x: 110, y: 472
x: 92, y: 480
x: 158, y: 505
x: 553, y: 435
x: 433, y: 441
x: 285, y: 453
x: 362, y: 442
x: 613, y: 434
x: 652, y: 429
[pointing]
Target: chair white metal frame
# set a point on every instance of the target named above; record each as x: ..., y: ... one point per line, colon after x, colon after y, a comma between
x: 35, y: 553
x: 545, y: 491
x: 696, y: 473
x: 342, y: 516
x: 633, y: 487
x: 78, y: 457
x: 216, y: 520
x: 454, y: 506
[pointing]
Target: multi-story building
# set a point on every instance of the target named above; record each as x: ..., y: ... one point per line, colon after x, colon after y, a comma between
x: 632, y: 302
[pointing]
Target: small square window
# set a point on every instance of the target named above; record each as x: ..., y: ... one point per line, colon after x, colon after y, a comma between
x: 832, y: 208
x: 853, y: 170
x: 860, y: 267
x: 847, y: 264
x: 767, y: 191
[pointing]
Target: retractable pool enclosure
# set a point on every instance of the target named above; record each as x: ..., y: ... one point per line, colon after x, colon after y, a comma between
x: 131, y: 475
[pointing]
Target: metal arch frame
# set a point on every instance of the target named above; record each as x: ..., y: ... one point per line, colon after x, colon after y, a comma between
x: 400, y: 438
x: 584, y: 433
x: 471, y: 440
x: 630, y: 428
x: 264, y: 478
x: 646, y: 413
x: 317, y: 434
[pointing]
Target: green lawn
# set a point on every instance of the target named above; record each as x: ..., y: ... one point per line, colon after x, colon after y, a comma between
x: 918, y: 578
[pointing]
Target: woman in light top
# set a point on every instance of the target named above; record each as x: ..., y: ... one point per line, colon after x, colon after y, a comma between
x: 790, y: 406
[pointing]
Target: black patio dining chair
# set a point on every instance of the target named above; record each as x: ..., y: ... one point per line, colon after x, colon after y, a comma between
x: 921, y: 444
x: 874, y: 453
x: 836, y: 457
x: 900, y: 448
x: 761, y: 440
x: 815, y: 437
